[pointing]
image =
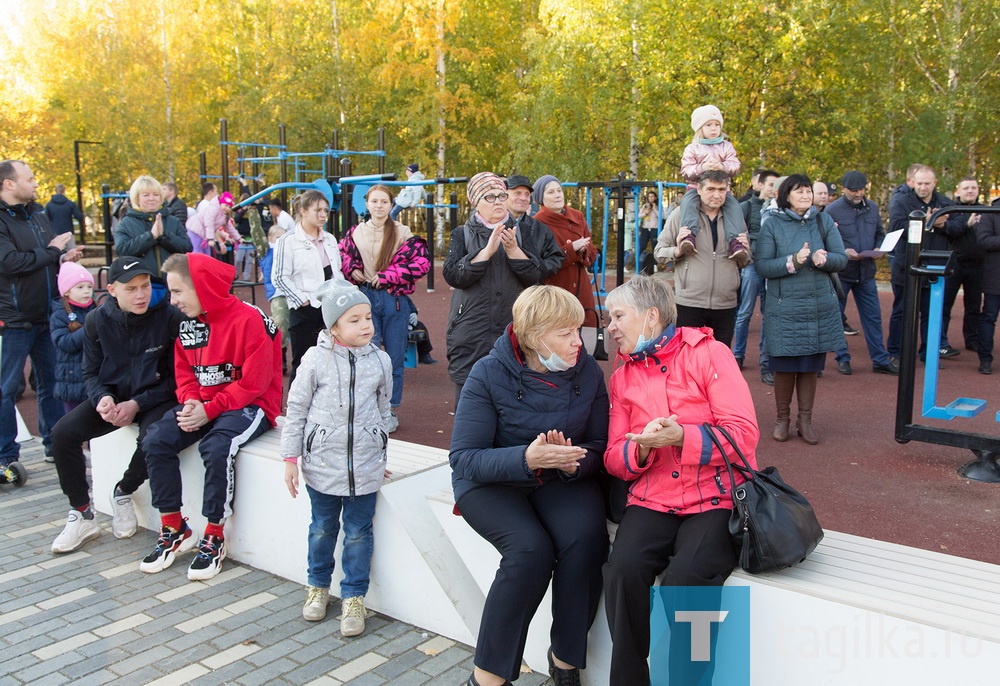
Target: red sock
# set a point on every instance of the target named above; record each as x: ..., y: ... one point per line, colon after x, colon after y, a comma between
x: 214, y: 530
x: 173, y: 520
x: 83, y: 508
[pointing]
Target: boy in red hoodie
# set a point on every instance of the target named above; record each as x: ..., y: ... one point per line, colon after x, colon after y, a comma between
x: 227, y: 363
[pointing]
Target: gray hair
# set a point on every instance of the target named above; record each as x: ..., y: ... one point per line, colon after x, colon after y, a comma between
x: 643, y: 292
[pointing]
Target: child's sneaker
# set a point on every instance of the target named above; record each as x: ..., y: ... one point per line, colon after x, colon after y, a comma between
x: 78, y: 531
x: 737, y: 251
x: 316, y: 601
x: 170, y: 544
x: 687, y: 245
x: 123, y: 521
x: 352, y: 618
x: 208, y: 562
x: 14, y: 473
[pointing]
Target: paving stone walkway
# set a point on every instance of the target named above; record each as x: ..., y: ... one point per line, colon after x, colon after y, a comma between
x: 91, y: 617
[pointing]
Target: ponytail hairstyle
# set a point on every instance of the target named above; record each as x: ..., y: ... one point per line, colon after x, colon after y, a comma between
x: 388, y: 248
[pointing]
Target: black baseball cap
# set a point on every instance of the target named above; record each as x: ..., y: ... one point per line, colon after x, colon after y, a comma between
x: 516, y: 180
x: 124, y: 269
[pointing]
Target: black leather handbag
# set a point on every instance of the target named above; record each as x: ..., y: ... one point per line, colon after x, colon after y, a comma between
x: 773, y: 526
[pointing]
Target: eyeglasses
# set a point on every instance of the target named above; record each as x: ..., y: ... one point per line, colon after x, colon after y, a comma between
x: 495, y: 197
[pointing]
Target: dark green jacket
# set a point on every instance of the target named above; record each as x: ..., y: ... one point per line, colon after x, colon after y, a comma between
x: 802, y: 315
x: 133, y: 236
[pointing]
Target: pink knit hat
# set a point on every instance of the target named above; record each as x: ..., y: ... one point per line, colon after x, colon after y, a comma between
x: 227, y: 199
x: 71, y: 274
x: 481, y: 184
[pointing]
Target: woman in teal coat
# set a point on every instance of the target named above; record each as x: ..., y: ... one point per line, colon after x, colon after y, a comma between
x: 798, y: 251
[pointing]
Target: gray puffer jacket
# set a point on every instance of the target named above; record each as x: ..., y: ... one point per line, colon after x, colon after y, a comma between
x: 802, y: 314
x: 338, y: 408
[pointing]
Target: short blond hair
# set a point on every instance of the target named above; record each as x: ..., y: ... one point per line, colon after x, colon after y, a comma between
x: 644, y: 292
x: 143, y: 183
x: 541, y: 309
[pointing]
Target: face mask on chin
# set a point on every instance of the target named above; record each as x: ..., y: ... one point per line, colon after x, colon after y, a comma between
x: 553, y: 362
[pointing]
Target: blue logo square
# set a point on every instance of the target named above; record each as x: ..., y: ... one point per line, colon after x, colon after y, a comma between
x: 699, y: 636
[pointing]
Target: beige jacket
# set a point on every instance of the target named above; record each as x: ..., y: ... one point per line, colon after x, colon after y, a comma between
x: 709, y: 279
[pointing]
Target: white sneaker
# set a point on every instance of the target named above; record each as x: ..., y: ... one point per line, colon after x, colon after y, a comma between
x: 123, y: 521
x: 316, y: 601
x: 353, y: 615
x: 393, y: 422
x: 77, y: 532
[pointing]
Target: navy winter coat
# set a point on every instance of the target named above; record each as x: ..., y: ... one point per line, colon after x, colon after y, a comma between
x: 61, y: 212
x: 69, y: 351
x: 801, y: 314
x: 860, y: 228
x: 505, y: 405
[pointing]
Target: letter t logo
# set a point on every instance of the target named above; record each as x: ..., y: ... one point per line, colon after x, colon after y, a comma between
x: 701, y: 630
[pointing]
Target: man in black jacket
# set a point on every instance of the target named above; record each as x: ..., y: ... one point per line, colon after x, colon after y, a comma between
x: 62, y: 211
x: 30, y: 254
x: 128, y: 369
x: 922, y: 196
x: 174, y: 205
x: 988, y: 236
x: 968, y: 274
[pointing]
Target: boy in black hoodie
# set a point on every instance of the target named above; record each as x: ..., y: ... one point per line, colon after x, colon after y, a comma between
x: 128, y: 369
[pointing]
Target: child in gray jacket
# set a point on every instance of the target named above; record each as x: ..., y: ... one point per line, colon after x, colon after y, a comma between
x: 338, y: 409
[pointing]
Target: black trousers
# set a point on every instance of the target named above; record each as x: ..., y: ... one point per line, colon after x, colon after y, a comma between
x: 218, y: 442
x: 695, y: 550
x: 83, y: 423
x: 969, y: 277
x: 304, y: 325
x: 555, y: 531
x: 721, y: 322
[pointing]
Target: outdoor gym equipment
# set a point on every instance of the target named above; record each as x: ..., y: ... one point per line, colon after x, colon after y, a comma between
x: 934, y: 266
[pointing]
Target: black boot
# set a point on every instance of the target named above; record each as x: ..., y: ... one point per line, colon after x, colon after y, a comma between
x: 563, y: 677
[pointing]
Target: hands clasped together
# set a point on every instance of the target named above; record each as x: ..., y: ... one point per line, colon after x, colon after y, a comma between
x: 552, y: 450
x: 659, y: 433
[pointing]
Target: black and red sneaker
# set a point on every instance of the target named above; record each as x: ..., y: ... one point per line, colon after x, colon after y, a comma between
x: 208, y: 562
x: 170, y: 544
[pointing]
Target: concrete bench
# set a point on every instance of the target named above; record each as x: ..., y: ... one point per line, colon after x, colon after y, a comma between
x: 858, y: 611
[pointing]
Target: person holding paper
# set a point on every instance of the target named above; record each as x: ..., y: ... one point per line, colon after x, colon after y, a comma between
x: 860, y: 227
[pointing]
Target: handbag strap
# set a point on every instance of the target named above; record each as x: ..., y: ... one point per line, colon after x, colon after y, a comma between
x: 745, y: 468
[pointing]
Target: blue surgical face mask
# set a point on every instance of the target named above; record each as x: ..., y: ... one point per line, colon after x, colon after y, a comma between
x: 553, y: 362
x: 642, y: 343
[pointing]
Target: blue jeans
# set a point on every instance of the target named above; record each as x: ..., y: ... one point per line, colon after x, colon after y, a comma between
x: 751, y: 286
x: 18, y: 346
x: 358, y: 513
x: 391, y: 316
x: 988, y: 325
x: 394, y: 212
x: 866, y: 298
x: 245, y: 262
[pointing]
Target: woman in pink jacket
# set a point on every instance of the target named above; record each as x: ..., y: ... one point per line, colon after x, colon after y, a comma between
x: 671, y: 382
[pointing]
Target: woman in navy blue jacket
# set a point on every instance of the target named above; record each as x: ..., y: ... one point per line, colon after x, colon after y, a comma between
x: 530, y: 431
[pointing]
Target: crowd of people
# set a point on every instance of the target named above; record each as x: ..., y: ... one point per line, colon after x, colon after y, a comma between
x: 536, y: 428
